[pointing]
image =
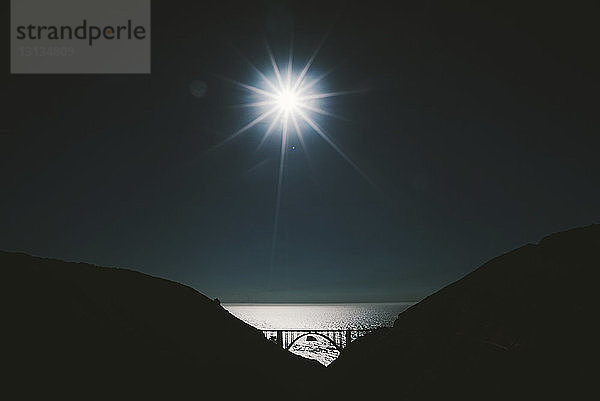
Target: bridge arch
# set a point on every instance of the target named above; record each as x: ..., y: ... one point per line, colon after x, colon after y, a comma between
x: 337, y: 347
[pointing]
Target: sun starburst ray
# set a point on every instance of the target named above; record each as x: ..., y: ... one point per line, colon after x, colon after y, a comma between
x: 302, y: 143
x: 279, y: 188
x: 309, y: 63
x: 244, y: 128
x: 291, y: 101
x: 256, y: 104
x: 270, y: 129
x: 330, y: 94
x: 275, y: 68
x: 320, y: 111
x: 326, y: 138
x: 298, y: 130
x: 255, y: 68
x: 251, y: 88
x: 318, y: 79
x: 290, y: 64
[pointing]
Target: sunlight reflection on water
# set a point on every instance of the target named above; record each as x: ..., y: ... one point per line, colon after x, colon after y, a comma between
x: 318, y: 316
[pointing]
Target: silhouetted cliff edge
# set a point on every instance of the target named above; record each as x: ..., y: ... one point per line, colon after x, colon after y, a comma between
x: 76, y: 330
x: 522, y: 326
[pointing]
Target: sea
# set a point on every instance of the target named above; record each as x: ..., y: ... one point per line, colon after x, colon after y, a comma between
x: 341, y: 316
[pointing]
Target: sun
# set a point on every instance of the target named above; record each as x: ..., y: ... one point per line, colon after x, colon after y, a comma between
x: 287, y: 100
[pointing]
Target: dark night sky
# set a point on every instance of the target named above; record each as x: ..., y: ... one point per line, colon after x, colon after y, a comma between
x: 480, y: 129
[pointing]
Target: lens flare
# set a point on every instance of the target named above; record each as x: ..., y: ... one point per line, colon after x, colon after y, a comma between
x: 289, y: 100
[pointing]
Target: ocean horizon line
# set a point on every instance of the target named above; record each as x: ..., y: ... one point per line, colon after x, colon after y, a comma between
x: 320, y: 303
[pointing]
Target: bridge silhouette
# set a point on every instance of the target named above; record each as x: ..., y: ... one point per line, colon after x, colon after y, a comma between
x: 339, y: 338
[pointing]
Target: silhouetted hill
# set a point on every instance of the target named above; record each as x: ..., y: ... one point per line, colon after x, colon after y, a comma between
x: 76, y: 330
x: 519, y: 327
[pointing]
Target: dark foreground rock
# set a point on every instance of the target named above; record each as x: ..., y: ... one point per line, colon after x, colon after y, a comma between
x: 74, y: 330
x: 522, y: 326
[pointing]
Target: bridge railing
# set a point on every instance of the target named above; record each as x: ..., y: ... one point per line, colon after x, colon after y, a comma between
x: 285, y: 338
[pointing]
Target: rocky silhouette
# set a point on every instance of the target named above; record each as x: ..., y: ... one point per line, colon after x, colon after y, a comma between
x: 75, y: 330
x: 519, y: 327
